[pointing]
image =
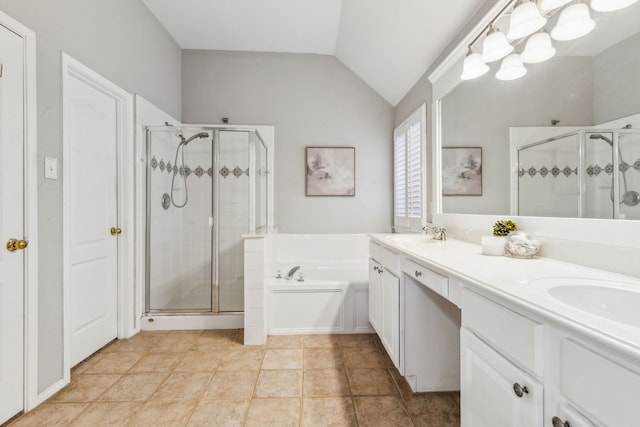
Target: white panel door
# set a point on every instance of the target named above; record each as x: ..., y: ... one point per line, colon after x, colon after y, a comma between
x: 390, y: 315
x: 92, y: 212
x: 11, y: 224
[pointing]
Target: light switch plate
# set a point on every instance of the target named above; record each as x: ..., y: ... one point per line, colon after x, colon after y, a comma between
x: 50, y: 168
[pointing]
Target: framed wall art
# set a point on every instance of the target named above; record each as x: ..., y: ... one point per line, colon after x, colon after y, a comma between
x: 462, y: 171
x: 331, y: 171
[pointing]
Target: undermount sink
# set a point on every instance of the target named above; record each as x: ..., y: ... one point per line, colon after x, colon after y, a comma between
x: 615, y: 301
x: 411, y: 238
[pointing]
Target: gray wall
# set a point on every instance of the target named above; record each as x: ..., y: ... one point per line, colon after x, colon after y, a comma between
x: 615, y: 76
x: 121, y: 40
x: 312, y: 100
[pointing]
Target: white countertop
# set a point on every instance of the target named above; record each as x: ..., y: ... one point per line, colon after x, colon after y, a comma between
x: 515, y: 281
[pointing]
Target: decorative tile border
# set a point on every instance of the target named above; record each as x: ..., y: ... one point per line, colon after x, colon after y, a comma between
x: 199, y: 171
x: 592, y: 170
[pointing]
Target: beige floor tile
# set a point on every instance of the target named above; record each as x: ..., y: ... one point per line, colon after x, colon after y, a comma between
x: 319, y: 341
x: 279, y: 383
x: 285, y: 341
x: 282, y: 359
x: 200, y: 361
x: 273, y: 412
x: 325, y: 382
x: 241, y: 359
x: 85, y: 388
x: 434, y: 409
x: 183, y: 386
x: 219, y: 413
x: 362, y: 357
x: 162, y: 413
x: 328, y: 412
x: 371, y: 382
x: 82, y: 367
x: 140, y: 342
x: 133, y: 387
x: 381, y: 411
x: 214, y: 341
x: 322, y: 358
x: 157, y: 362
x: 174, y: 341
x: 50, y: 415
x: 355, y: 340
x: 401, y: 382
x: 115, y: 363
x: 107, y: 414
x: 232, y: 385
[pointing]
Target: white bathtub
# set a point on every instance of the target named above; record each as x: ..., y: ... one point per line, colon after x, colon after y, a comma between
x: 331, y: 299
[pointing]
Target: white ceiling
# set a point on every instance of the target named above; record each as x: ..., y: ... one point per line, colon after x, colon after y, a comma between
x: 388, y: 43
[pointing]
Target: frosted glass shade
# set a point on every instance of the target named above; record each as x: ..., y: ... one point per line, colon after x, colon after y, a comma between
x: 574, y: 22
x: 511, y: 68
x: 495, y: 46
x: 553, y: 4
x: 538, y: 48
x: 610, y: 5
x: 473, y: 66
x: 525, y: 20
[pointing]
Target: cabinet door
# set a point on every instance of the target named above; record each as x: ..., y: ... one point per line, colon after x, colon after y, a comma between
x: 495, y: 392
x: 390, y: 317
x: 375, y: 271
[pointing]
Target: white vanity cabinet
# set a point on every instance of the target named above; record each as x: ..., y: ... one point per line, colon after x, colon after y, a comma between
x: 501, y: 358
x: 375, y: 277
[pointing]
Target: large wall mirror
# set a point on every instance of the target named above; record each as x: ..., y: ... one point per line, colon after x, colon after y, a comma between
x: 561, y: 141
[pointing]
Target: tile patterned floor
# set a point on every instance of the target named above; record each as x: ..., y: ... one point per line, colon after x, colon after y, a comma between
x: 208, y: 378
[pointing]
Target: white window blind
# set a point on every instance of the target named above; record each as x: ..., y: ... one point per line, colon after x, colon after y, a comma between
x: 408, y: 157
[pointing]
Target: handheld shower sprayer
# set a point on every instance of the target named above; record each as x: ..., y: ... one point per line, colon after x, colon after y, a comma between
x: 183, y: 142
x: 629, y: 197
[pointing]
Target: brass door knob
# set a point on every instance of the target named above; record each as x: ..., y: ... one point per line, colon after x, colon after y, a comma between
x: 15, y: 245
x: 115, y: 231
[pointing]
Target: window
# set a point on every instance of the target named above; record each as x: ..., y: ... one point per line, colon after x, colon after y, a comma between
x: 408, y: 143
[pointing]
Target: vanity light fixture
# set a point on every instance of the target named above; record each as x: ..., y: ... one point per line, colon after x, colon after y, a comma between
x: 610, y: 5
x: 495, y: 46
x: 473, y: 66
x: 546, y: 5
x: 525, y: 20
x: 538, y: 48
x: 511, y: 68
x: 574, y: 22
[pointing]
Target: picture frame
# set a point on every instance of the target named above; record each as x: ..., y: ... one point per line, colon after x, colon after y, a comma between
x: 462, y: 171
x: 330, y: 171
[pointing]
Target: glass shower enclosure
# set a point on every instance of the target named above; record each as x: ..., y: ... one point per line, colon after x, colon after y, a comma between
x: 587, y: 173
x: 206, y: 187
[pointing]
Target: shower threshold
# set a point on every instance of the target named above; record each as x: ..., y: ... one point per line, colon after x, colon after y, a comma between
x: 167, y: 321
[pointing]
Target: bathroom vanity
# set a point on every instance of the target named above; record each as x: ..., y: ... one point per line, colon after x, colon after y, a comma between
x: 532, y: 342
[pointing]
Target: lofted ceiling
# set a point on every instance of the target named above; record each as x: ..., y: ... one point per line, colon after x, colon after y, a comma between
x: 387, y: 43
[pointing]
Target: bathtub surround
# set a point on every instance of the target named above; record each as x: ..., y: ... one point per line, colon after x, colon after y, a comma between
x: 312, y: 100
x: 332, y: 298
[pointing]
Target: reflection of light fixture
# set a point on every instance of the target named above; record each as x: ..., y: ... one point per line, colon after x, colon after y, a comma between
x: 525, y: 20
x: 538, y: 48
x: 473, y: 66
x: 610, y: 5
x: 511, y: 68
x: 495, y: 46
x: 553, y: 4
x: 574, y: 21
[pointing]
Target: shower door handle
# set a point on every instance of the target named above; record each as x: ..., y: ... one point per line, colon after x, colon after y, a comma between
x: 115, y: 231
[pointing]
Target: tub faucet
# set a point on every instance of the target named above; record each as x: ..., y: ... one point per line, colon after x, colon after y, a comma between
x: 291, y: 272
x: 437, y: 232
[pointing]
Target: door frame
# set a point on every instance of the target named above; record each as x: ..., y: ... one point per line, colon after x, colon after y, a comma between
x: 125, y: 187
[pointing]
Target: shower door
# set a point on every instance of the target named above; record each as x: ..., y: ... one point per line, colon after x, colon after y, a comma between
x: 180, y: 222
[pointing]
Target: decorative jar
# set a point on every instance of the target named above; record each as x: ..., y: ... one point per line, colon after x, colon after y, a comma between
x: 521, y: 245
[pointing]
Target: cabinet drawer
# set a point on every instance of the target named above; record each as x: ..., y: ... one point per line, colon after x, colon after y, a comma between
x: 390, y: 260
x: 374, y: 250
x: 599, y: 386
x: 514, y: 335
x: 432, y: 280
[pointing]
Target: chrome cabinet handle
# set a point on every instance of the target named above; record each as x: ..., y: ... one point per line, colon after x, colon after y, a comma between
x: 520, y: 390
x: 418, y: 273
x: 557, y: 422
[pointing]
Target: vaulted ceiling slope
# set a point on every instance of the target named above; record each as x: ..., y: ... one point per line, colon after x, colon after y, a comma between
x: 387, y: 43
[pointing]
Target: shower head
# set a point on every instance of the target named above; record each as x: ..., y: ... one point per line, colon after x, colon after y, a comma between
x: 191, y: 138
x: 602, y: 137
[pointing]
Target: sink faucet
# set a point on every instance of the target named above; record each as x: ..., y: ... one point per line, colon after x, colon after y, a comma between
x: 437, y: 232
x: 291, y: 272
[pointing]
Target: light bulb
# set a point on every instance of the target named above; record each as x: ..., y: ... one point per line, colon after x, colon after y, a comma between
x: 574, y: 22
x: 473, y: 66
x: 495, y: 46
x: 538, y: 48
x: 511, y: 68
x: 525, y: 20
